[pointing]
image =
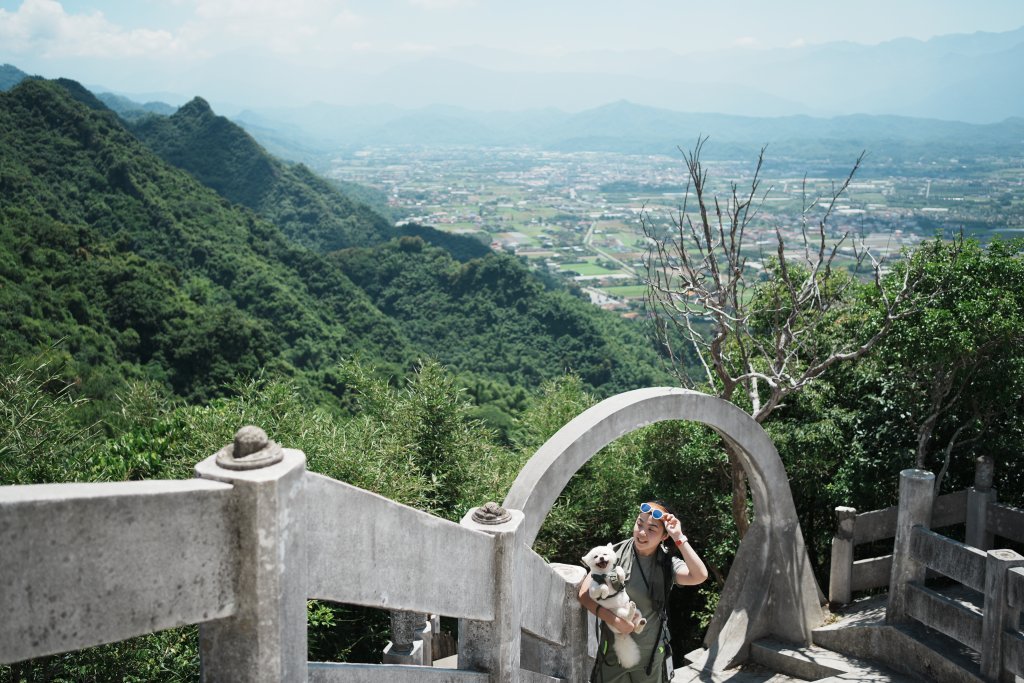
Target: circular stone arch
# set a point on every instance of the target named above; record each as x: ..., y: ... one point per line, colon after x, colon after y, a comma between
x: 770, y: 590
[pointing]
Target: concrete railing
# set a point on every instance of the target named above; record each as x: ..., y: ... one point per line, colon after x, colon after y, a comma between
x: 994, y: 629
x: 975, y: 507
x: 170, y: 545
x: 240, y: 550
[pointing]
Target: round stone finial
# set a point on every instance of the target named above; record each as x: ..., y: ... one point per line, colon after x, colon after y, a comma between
x: 251, y: 450
x: 249, y: 440
x: 491, y: 513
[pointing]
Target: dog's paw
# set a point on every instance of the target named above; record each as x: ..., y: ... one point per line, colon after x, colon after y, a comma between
x: 639, y: 626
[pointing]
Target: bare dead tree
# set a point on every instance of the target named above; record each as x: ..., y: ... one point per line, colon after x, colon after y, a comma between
x: 755, y: 329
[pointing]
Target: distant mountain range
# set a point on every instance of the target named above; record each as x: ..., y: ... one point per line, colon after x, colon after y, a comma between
x: 312, y: 133
x: 957, y: 77
x: 630, y: 128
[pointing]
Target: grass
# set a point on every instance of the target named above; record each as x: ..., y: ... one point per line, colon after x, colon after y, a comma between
x: 627, y: 291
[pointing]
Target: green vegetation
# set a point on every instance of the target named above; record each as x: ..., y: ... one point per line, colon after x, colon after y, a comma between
x: 145, y: 273
x: 306, y: 208
x: 456, y: 311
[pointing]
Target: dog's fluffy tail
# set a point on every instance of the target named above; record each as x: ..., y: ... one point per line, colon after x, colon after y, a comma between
x: 626, y: 650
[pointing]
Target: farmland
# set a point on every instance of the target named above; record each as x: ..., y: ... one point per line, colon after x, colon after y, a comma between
x: 577, y: 215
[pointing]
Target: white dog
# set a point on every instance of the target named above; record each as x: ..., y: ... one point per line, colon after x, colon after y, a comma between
x: 607, y: 587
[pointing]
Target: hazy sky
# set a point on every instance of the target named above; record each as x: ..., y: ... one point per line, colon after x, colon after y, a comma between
x: 153, y: 45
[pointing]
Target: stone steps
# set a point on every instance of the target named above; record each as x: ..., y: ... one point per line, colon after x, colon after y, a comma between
x: 773, y: 661
x: 818, y: 664
x: 744, y: 674
x: 911, y: 649
x: 748, y: 672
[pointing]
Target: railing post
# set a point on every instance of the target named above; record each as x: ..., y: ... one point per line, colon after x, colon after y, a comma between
x: 407, y: 646
x: 265, y: 640
x: 998, y: 616
x: 575, y: 662
x: 494, y: 646
x: 917, y: 495
x: 841, y: 570
x: 979, y: 497
x: 570, y: 659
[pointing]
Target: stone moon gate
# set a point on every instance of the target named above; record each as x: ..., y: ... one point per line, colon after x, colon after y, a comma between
x: 771, y: 589
x: 239, y: 549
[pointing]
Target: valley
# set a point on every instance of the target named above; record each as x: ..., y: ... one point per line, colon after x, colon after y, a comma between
x: 577, y: 215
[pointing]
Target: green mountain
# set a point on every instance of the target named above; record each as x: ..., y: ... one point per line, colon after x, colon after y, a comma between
x: 144, y: 272
x: 491, y: 317
x: 224, y: 157
x: 310, y: 210
x: 502, y: 326
x: 130, y: 110
x: 135, y: 269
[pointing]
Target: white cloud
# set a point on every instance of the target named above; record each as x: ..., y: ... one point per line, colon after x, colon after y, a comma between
x: 43, y: 28
x: 799, y: 42
x: 745, y: 41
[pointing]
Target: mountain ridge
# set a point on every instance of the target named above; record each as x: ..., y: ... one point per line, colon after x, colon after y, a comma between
x: 145, y: 273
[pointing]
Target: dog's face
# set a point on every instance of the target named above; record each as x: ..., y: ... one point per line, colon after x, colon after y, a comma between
x: 600, y: 559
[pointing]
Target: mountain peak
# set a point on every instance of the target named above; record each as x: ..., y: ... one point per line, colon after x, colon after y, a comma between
x: 197, y: 106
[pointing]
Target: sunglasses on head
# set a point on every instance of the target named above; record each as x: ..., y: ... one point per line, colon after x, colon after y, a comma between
x: 656, y: 513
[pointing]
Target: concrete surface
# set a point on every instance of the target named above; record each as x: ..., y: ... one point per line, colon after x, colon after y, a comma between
x: 368, y: 550
x: 265, y: 638
x: 87, y: 564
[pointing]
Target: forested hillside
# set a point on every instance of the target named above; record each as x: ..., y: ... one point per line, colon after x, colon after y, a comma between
x: 137, y: 270
x: 224, y: 157
x: 491, y: 317
x: 487, y: 321
x: 308, y: 209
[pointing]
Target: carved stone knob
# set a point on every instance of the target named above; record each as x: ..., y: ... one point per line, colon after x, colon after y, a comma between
x: 491, y: 513
x: 251, y: 450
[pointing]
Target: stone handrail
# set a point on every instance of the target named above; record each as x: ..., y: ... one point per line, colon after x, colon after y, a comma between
x: 975, y: 507
x: 994, y: 632
x: 240, y: 550
x: 168, y: 543
x: 847, y: 575
x: 1006, y: 521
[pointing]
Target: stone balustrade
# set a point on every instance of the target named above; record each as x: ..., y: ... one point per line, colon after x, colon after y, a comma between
x: 994, y: 631
x: 975, y: 507
x: 240, y: 549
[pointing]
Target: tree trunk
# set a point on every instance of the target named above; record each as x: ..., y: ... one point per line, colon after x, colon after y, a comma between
x: 738, y: 478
